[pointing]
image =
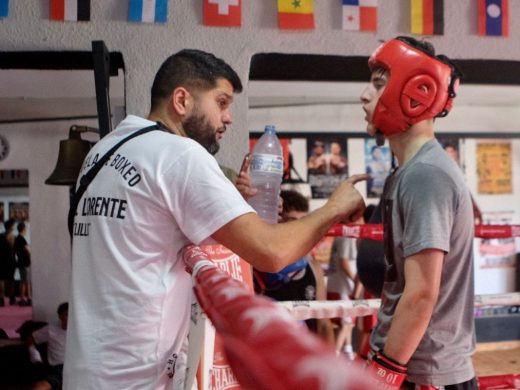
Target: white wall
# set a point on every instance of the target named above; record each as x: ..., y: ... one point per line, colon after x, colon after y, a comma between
x: 144, y: 47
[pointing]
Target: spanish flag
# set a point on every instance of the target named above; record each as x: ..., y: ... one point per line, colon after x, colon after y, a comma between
x: 427, y: 17
x: 296, y: 14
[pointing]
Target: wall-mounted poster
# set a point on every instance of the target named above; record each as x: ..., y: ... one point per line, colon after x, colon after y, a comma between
x: 452, y: 146
x: 19, y: 211
x: 378, y: 164
x: 494, y: 167
x: 327, y: 163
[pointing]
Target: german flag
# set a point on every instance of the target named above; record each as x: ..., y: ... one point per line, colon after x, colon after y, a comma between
x: 427, y: 17
x: 296, y: 14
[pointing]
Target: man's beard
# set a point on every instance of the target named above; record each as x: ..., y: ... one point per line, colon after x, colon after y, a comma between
x: 198, y: 128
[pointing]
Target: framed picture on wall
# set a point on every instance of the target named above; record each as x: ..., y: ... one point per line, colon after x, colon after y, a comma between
x: 494, y: 167
x: 378, y: 162
x: 318, y: 159
x: 19, y: 211
x: 327, y: 163
x: 454, y: 146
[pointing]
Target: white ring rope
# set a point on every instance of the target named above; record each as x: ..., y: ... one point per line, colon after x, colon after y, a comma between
x: 304, y: 310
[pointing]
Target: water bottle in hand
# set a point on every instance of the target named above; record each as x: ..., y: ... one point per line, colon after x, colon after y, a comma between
x: 266, y: 173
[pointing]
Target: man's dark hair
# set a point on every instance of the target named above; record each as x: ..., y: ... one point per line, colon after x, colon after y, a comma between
x: 193, y: 69
x: 21, y: 227
x: 424, y: 46
x: 427, y: 48
x: 294, y: 201
x: 62, y: 308
x: 9, y: 224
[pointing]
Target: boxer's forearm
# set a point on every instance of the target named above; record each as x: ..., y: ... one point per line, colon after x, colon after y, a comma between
x: 415, y: 308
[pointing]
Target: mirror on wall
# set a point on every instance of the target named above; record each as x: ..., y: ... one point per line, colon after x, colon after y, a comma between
x: 43, y: 94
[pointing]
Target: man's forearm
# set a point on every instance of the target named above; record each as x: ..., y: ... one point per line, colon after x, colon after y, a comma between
x: 411, y: 318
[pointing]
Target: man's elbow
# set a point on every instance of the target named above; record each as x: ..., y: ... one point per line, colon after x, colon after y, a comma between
x: 423, y: 300
x: 271, y: 259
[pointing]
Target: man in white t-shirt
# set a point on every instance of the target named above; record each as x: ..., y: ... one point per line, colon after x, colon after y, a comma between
x: 130, y: 295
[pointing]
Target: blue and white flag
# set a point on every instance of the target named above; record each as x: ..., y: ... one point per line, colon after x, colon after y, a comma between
x: 148, y: 11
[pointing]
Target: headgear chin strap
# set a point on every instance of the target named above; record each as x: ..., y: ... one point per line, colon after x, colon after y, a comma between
x: 419, y: 86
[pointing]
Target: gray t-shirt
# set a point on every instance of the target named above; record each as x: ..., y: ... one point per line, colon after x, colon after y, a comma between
x: 426, y: 205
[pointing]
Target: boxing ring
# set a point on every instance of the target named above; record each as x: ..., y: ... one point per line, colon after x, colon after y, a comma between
x: 264, y: 345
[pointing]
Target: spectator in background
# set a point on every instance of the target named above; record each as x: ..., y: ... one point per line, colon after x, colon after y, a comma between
x: 7, y: 263
x: 340, y: 286
x: 55, y: 336
x: 300, y: 281
x: 23, y: 255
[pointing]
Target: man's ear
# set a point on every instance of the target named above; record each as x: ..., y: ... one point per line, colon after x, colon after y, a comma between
x: 181, y: 101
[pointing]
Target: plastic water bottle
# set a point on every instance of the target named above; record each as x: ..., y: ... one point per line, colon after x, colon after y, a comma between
x: 266, y: 171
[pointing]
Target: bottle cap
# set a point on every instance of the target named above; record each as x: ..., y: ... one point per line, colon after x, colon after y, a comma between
x: 270, y: 129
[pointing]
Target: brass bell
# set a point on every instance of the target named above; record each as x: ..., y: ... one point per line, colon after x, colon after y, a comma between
x: 70, y: 157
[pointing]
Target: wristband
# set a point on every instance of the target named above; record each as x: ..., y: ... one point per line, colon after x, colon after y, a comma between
x: 386, y: 372
x: 192, y: 255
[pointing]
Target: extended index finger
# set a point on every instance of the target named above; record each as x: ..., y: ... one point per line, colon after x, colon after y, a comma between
x: 357, y: 178
x: 245, y: 163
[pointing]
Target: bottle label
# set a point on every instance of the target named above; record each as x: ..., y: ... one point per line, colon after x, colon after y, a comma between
x: 268, y: 163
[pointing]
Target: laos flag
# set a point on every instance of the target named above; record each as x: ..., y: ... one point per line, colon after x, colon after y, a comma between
x: 493, y: 17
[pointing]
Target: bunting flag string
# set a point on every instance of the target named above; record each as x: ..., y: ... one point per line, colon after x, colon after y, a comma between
x: 427, y: 17
x: 360, y: 15
x: 70, y: 10
x: 148, y: 11
x: 4, y: 8
x: 222, y: 13
x: 296, y: 14
x: 493, y: 17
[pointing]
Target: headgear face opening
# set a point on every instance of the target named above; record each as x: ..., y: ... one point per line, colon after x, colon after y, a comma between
x: 419, y: 87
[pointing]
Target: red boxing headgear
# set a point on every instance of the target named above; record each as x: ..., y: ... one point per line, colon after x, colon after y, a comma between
x: 419, y: 87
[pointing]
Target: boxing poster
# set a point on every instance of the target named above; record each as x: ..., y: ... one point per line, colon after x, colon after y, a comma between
x: 221, y: 375
x: 327, y: 163
x: 378, y: 162
x: 494, y: 168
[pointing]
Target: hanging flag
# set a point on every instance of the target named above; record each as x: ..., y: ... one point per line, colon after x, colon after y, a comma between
x: 427, y: 17
x: 4, y: 8
x: 360, y: 15
x: 222, y: 13
x: 148, y: 11
x: 296, y: 14
x: 71, y: 10
x: 493, y: 17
